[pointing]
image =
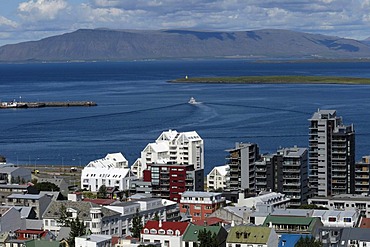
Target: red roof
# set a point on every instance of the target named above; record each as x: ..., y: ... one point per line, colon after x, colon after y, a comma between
x: 211, y: 221
x: 365, y: 223
x: 166, y: 225
x: 21, y: 234
x: 105, y: 202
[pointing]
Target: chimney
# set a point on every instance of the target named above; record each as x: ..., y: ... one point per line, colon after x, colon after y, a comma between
x: 160, y: 223
x: 270, y: 224
x: 232, y: 223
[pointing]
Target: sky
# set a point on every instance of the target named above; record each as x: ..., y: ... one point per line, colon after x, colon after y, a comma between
x: 25, y: 20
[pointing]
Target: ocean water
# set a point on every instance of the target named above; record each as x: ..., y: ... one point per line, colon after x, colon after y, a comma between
x: 136, y: 103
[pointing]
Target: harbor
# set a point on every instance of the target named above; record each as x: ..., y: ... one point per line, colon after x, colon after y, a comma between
x: 15, y: 104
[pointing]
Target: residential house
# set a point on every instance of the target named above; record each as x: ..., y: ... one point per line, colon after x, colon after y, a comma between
x: 14, y: 174
x: 8, y: 189
x: 99, y: 220
x: 252, y: 236
x: 94, y: 240
x: 166, y: 233
x: 37, y: 202
x: 10, y: 219
x: 217, y: 178
x: 335, y: 218
x: 190, y: 238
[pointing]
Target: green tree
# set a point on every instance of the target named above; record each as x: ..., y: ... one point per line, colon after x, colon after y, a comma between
x: 156, y: 217
x: 77, y: 229
x: 207, y: 239
x: 46, y: 186
x: 308, y: 242
x: 63, y: 217
x: 102, y: 192
x: 137, y: 225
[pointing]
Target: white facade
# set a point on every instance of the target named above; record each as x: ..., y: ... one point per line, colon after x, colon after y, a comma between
x: 331, y: 218
x: 272, y: 199
x: 172, y: 146
x: 216, y: 179
x: 110, y: 171
x: 94, y: 240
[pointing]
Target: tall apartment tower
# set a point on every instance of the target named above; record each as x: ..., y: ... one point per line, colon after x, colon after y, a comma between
x: 184, y: 148
x: 241, y: 161
x: 331, y: 155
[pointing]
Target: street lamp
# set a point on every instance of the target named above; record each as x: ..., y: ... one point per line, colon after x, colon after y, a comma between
x: 35, y: 164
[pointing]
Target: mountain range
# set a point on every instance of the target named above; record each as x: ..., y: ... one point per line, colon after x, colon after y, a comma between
x: 118, y: 45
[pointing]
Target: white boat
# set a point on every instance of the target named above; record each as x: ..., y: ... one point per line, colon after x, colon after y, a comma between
x: 192, y: 101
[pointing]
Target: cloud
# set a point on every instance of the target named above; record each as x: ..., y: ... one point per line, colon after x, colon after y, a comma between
x: 39, y: 10
x: 4, y: 22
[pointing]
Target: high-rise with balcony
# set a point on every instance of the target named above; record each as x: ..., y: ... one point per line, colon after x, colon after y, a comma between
x: 331, y: 154
x: 241, y: 161
x: 362, y: 176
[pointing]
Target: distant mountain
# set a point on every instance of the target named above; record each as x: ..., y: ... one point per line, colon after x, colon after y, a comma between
x: 105, y: 44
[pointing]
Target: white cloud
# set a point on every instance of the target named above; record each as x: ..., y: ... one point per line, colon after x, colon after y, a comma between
x: 7, y: 23
x: 37, y: 10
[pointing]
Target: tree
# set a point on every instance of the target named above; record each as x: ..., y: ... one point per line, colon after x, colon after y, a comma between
x: 207, y: 239
x: 308, y: 242
x: 77, y: 229
x: 156, y: 217
x: 46, y: 186
x: 102, y: 192
x: 137, y: 225
x: 63, y: 217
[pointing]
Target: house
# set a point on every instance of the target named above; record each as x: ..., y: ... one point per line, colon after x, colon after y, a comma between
x: 37, y: 202
x: 216, y: 179
x: 60, y: 182
x: 290, y: 240
x: 14, y: 175
x: 238, y: 215
x: 273, y: 200
x: 10, y: 219
x: 199, y: 205
x: 166, y: 233
x: 99, y: 220
x: 293, y: 224
x: 354, y: 237
x: 190, y: 238
x: 110, y: 171
x: 94, y: 240
x: 20, y: 237
x: 252, y: 236
x: 334, y: 218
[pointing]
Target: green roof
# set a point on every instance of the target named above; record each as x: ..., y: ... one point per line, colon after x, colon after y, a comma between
x: 249, y: 234
x: 310, y: 222
x: 41, y: 243
x: 191, y: 233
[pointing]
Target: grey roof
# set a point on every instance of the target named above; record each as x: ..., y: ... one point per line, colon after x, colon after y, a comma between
x: 344, y: 197
x: 34, y: 224
x: 57, y: 181
x: 149, y: 199
x: 82, y: 207
x: 239, y: 211
x: 54, y: 194
x: 25, y: 196
x: 354, y: 234
x: 293, y: 212
x: 14, y: 186
x: 200, y: 194
x: 124, y: 204
x: 97, y: 237
x: 63, y: 233
x: 25, y: 211
x: 9, y: 169
x: 140, y: 195
x: 317, y: 115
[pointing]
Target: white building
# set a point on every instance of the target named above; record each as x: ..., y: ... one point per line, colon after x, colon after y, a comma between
x: 270, y: 199
x: 94, y: 240
x: 166, y: 233
x: 99, y: 220
x: 216, y: 179
x: 110, y: 171
x: 332, y: 218
x: 172, y: 146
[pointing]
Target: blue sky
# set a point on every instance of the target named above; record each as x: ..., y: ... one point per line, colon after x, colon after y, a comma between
x: 24, y: 20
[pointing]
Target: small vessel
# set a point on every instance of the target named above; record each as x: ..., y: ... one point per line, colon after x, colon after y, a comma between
x: 192, y: 101
x: 13, y: 104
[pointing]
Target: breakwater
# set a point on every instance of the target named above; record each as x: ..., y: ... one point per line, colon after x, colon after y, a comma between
x: 46, y: 104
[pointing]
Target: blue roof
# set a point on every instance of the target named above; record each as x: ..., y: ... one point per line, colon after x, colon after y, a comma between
x: 289, y: 240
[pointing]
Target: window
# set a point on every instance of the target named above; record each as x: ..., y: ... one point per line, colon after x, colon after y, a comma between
x: 332, y: 219
x: 347, y: 220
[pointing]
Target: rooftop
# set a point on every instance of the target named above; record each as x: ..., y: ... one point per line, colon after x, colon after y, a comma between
x: 192, y: 232
x: 249, y: 234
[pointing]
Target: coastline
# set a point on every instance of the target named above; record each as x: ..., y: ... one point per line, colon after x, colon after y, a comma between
x: 283, y: 79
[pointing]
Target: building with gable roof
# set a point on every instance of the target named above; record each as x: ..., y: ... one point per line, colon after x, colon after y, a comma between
x: 185, y: 148
x: 14, y: 174
x: 10, y: 219
x: 217, y: 178
x: 166, y: 233
x: 252, y: 236
x: 110, y: 171
x: 190, y: 238
x: 99, y: 220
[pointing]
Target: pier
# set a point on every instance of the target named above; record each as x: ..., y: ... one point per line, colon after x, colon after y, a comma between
x: 14, y: 104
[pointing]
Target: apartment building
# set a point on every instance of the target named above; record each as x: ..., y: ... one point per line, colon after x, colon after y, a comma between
x: 110, y: 171
x: 217, y: 178
x: 362, y: 176
x: 185, y: 148
x: 169, y: 180
x: 199, y: 205
x: 331, y: 154
x: 241, y: 161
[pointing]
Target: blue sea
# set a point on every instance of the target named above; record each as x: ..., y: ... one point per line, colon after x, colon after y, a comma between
x: 136, y: 103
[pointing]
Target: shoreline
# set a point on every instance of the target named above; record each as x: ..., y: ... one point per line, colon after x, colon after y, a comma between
x: 283, y: 79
